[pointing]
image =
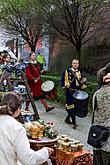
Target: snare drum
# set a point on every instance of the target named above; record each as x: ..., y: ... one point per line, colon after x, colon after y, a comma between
x: 47, y: 86
x: 49, y: 89
x: 81, y: 103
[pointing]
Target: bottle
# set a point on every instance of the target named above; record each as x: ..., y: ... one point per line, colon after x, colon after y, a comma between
x: 52, y: 132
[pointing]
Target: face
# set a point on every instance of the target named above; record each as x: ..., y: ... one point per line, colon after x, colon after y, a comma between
x: 7, y: 59
x: 17, y: 112
x: 32, y: 57
x: 75, y: 64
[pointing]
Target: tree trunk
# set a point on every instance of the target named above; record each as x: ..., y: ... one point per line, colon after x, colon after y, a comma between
x: 33, y: 48
x: 78, y: 49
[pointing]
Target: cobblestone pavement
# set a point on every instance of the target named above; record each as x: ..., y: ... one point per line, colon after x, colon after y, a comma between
x: 58, y: 116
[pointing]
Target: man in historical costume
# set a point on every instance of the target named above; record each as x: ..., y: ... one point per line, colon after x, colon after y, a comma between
x: 72, y: 81
x: 35, y: 82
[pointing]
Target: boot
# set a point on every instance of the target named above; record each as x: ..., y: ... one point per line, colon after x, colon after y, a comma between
x: 67, y: 120
x: 73, y: 117
x: 49, y: 109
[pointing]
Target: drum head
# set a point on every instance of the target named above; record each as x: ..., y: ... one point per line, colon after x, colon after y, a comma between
x: 80, y: 95
x: 47, y: 86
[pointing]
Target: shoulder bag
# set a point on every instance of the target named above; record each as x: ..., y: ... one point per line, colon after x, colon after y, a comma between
x: 98, y: 135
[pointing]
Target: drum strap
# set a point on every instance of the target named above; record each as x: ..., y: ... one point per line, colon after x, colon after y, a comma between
x: 75, y: 78
x: 94, y: 108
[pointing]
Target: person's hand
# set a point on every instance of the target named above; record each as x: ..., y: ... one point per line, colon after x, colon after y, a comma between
x: 35, y: 81
x: 67, y: 86
x: 50, y: 151
x: 84, y: 79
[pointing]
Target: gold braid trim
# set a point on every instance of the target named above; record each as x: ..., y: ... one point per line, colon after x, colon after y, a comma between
x: 78, y: 75
x: 66, y: 79
x: 69, y: 106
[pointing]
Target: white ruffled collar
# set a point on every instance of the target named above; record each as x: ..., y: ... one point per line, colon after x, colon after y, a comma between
x: 33, y: 62
x: 74, y: 70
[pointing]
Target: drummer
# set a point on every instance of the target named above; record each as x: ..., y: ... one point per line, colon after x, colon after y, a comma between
x: 72, y: 80
x: 35, y: 82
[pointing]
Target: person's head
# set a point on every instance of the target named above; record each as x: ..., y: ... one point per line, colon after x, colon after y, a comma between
x: 75, y: 64
x: 107, y: 68
x: 32, y: 56
x: 11, y: 104
x: 100, y: 74
x: 6, y: 58
x: 106, y: 78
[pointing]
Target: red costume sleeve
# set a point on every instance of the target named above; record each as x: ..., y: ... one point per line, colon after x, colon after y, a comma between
x: 29, y: 74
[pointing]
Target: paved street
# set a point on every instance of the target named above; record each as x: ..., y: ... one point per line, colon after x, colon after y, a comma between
x: 58, y: 115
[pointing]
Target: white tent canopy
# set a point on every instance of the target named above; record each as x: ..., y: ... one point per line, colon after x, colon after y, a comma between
x: 8, y: 51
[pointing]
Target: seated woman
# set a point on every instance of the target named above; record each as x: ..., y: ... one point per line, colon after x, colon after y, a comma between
x: 14, y: 144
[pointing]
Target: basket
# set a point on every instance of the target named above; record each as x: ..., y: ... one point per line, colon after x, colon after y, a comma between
x: 45, y: 142
x: 62, y: 158
x: 72, y: 158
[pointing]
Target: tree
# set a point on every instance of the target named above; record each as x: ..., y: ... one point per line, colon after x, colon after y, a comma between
x: 73, y: 19
x: 23, y: 17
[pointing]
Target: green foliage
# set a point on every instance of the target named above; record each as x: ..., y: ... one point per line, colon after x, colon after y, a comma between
x: 24, y: 17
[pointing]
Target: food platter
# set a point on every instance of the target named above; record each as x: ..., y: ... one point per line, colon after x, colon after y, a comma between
x: 37, y: 144
x: 43, y: 140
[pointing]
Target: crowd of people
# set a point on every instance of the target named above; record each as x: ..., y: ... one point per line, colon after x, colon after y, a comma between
x: 71, y: 81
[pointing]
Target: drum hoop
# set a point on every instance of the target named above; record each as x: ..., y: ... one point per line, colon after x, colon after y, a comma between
x: 47, y: 85
x: 80, y: 92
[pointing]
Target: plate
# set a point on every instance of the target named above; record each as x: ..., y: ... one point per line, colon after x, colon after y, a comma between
x: 43, y: 140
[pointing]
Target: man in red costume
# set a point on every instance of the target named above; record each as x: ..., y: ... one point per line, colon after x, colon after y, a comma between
x: 35, y: 82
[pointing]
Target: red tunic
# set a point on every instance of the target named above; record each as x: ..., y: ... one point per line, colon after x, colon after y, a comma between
x: 32, y: 73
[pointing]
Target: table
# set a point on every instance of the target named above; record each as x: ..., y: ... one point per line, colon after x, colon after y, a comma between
x: 60, y: 157
x: 43, y: 142
x: 82, y: 157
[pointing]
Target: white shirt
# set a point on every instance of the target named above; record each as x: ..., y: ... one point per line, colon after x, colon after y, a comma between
x: 14, y: 144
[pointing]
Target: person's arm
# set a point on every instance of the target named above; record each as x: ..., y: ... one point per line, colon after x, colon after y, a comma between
x: 26, y: 155
x: 29, y: 74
